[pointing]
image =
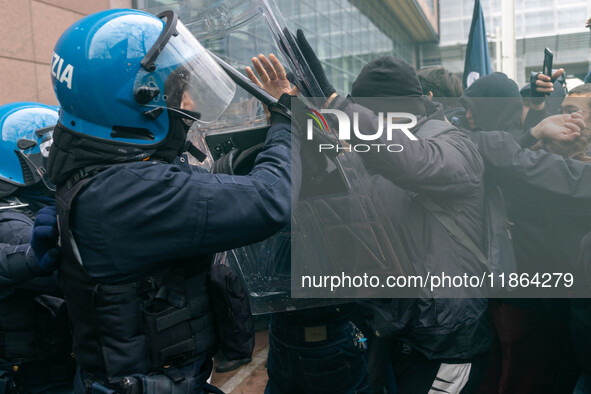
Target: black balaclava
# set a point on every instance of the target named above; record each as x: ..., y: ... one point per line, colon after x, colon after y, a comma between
x: 72, y: 151
x: 390, y: 77
x: 495, y: 103
x: 7, y: 189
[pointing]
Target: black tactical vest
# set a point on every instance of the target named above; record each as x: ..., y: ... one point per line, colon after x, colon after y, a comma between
x: 35, y: 340
x: 163, y: 320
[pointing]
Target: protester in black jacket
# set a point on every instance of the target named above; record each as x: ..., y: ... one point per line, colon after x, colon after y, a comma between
x: 436, y: 341
x: 494, y: 103
x: 536, y: 352
x: 433, y: 338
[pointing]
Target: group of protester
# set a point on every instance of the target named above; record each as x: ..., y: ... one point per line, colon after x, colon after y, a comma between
x: 124, y: 228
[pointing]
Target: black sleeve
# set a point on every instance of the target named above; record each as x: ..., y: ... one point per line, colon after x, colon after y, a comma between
x: 17, y: 264
x: 527, y: 140
x: 541, y: 170
x: 448, y: 164
x: 197, y: 213
x: 534, y: 116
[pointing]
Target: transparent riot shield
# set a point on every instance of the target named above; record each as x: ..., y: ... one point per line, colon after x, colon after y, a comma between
x: 336, y: 219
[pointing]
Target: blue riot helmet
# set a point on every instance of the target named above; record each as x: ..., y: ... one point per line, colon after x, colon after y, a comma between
x: 128, y: 77
x: 26, y: 135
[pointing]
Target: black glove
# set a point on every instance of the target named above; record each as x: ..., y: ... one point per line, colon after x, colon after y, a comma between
x: 281, y: 113
x: 315, y: 65
x: 281, y: 110
x: 44, y: 239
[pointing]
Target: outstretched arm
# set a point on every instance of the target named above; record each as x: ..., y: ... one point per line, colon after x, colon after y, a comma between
x: 541, y: 170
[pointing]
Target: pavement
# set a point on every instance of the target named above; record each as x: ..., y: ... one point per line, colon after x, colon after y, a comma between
x: 250, y: 378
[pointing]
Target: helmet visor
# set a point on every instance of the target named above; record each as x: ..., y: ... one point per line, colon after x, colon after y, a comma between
x: 29, y: 130
x: 194, y: 84
x: 37, y: 155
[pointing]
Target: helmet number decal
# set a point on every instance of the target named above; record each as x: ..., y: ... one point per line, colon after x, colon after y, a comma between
x: 64, y: 75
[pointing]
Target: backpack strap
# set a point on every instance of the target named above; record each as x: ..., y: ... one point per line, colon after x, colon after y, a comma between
x: 64, y: 196
x: 454, y: 230
x: 12, y: 203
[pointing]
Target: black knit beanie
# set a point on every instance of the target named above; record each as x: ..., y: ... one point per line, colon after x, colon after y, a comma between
x: 388, y: 76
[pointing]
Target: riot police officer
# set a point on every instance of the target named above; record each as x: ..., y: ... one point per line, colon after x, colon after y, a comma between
x: 136, y: 230
x: 36, y: 345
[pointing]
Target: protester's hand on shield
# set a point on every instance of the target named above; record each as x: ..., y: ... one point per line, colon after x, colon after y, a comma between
x: 271, y: 76
x: 565, y: 127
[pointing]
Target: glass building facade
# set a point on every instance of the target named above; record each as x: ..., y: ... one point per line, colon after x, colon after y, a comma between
x: 344, y: 38
x: 533, y: 18
x: 556, y: 24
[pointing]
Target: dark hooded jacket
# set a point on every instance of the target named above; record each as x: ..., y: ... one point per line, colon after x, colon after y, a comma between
x: 491, y: 113
x: 445, y: 166
x: 549, y: 199
x: 495, y: 103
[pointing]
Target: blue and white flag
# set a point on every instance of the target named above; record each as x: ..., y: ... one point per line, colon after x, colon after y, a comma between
x: 477, y: 56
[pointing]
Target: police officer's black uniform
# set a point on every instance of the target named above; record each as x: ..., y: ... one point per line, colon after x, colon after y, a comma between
x: 135, y: 267
x: 35, y: 344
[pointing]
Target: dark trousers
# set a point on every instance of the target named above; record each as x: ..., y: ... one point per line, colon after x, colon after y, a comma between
x: 319, y: 359
x: 415, y: 374
x: 532, y: 351
x: 583, y: 384
x: 35, y: 379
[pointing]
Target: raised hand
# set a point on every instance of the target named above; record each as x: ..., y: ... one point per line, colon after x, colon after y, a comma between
x: 544, y: 83
x: 565, y: 127
x: 271, y: 76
